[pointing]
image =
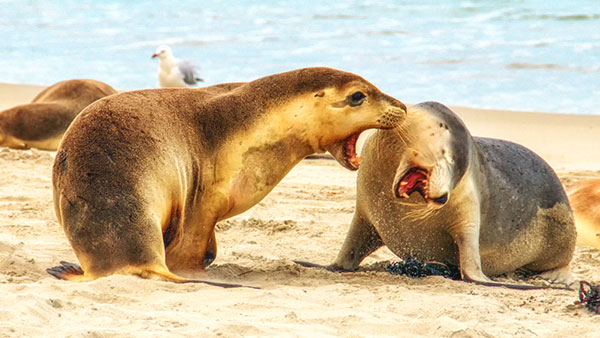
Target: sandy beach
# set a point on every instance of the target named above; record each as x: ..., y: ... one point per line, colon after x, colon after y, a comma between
x: 305, y: 217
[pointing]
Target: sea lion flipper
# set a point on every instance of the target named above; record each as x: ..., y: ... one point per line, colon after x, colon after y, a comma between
x: 332, y: 268
x: 561, y: 275
x: 66, y: 271
x: 362, y: 239
x: 489, y: 282
x: 71, y: 271
x: 471, y: 271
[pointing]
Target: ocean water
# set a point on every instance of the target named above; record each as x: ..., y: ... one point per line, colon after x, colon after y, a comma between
x: 539, y: 55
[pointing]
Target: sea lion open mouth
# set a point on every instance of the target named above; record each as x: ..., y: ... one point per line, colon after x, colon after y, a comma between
x: 417, y: 179
x: 344, y: 151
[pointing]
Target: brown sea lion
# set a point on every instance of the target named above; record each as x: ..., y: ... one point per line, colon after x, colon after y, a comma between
x: 431, y: 191
x: 141, y: 177
x: 42, y: 123
x: 585, y: 201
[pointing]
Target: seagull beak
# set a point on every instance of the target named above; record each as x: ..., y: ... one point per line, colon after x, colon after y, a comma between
x: 154, y: 55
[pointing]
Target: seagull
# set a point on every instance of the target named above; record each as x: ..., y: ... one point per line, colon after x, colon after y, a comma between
x: 172, y: 72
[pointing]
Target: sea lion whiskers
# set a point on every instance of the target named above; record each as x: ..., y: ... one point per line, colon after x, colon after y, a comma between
x: 409, y: 204
x: 401, y: 131
x: 421, y: 214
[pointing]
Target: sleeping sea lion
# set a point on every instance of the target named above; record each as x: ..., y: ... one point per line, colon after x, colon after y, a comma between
x: 42, y: 123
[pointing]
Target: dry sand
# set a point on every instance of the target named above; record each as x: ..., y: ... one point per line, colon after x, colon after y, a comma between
x: 305, y: 217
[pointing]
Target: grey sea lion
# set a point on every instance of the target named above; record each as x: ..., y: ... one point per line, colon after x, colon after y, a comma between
x: 141, y: 177
x: 42, y: 123
x: 431, y: 191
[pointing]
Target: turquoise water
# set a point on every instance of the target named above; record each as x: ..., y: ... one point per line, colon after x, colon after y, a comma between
x: 536, y: 55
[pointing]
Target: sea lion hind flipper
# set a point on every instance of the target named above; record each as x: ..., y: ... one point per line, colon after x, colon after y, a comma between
x: 66, y: 271
x: 474, y: 275
x: 470, y: 264
x: 561, y: 275
x: 332, y: 268
x: 481, y: 279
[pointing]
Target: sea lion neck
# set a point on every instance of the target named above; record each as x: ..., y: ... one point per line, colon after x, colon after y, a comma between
x: 263, y: 125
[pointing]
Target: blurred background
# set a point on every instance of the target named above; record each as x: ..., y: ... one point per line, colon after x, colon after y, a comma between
x: 536, y: 55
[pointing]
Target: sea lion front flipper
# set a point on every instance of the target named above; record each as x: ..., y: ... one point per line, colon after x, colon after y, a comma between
x: 467, y: 240
x: 362, y: 239
x: 331, y: 268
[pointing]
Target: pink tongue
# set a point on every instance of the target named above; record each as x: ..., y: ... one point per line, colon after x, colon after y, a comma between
x: 351, y: 150
x: 411, y: 180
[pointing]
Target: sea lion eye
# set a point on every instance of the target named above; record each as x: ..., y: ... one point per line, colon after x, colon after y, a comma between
x: 357, y: 99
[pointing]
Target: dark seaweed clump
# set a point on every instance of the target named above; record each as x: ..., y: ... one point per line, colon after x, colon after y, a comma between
x: 413, y: 267
x: 589, y: 295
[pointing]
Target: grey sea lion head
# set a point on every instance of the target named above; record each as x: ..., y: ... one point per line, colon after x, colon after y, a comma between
x: 436, y: 154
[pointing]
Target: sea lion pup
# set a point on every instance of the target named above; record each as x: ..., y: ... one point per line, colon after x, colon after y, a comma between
x: 42, y: 123
x: 585, y: 201
x: 141, y: 177
x: 431, y: 191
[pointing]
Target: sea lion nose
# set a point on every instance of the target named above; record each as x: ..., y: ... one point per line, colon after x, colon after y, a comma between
x: 401, y: 107
x: 441, y: 200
